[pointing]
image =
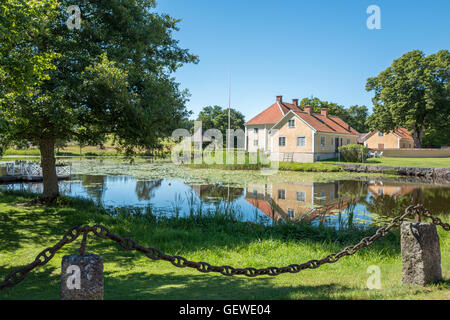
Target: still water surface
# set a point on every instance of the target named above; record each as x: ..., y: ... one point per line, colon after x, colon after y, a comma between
x: 339, y: 202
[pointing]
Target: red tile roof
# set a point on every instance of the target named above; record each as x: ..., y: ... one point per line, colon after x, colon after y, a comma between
x: 273, y: 114
x: 264, y: 206
x: 403, y: 133
x: 330, y: 124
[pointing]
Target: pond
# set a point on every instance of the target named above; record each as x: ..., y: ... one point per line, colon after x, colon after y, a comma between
x: 335, y: 199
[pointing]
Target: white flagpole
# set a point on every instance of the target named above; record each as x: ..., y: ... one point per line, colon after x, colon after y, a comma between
x: 229, y: 108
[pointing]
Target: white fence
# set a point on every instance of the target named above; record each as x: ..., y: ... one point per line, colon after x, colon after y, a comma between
x: 34, y: 169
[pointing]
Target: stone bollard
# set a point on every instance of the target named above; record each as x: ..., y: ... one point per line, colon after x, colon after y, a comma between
x: 82, y: 277
x: 421, y: 253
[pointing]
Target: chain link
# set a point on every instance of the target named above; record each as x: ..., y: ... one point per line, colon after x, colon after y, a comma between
x: 102, y: 232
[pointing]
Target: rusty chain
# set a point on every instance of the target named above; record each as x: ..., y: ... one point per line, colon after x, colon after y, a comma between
x: 102, y: 232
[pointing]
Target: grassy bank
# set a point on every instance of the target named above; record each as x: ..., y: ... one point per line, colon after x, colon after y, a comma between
x: 254, y: 162
x: 283, y: 166
x: 26, y: 228
x: 402, y: 162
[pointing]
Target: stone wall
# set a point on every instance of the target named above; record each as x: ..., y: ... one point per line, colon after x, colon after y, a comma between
x: 429, y: 173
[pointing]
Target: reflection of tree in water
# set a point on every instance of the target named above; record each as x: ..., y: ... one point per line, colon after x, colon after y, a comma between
x: 217, y: 193
x: 434, y: 199
x: 341, y: 206
x: 145, y: 190
x: 352, y: 188
x: 94, y: 186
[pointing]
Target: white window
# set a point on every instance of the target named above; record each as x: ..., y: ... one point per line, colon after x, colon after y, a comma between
x: 332, y: 141
x: 322, y: 142
x: 255, y: 130
x: 380, y: 134
x: 282, y: 141
x: 301, y: 196
x: 380, y: 191
x: 291, y: 123
x: 348, y: 141
x: 290, y: 213
x: 281, y: 194
x: 255, y: 143
x: 301, y: 141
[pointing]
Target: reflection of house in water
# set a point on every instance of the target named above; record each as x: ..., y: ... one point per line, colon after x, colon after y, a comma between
x: 391, y: 189
x: 293, y: 201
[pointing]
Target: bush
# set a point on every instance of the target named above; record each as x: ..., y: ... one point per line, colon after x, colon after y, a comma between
x: 354, y: 152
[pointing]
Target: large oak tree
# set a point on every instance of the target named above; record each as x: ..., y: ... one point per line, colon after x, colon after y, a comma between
x: 111, y: 77
x: 414, y: 92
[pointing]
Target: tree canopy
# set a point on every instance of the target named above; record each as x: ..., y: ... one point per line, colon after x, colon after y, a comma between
x: 111, y: 77
x: 216, y: 117
x: 414, y: 92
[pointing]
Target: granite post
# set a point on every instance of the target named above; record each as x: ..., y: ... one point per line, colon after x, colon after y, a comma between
x: 82, y: 277
x: 421, y: 254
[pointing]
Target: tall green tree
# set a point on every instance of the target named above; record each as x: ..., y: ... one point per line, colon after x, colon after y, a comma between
x: 216, y: 117
x: 414, y: 92
x: 111, y: 77
x: 357, y: 117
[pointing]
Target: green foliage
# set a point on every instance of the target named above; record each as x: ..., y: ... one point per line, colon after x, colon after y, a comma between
x: 309, y: 167
x: 216, y: 117
x: 414, y: 93
x: 112, y: 77
x: 333, y: 108
x: 390, y: 171
x: 354, y: 152
x: 357, y: 117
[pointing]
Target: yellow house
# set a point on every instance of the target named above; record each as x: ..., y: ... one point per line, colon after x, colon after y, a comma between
x: 303, y: 136
x: 398, y: 139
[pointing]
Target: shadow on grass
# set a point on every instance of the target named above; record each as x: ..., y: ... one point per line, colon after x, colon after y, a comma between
x: 44, y: 284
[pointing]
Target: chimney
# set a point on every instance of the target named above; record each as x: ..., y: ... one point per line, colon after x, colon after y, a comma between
x: 280, y: 98
x: 295, y: 102
x: 324, y: 112
x: 308, y: 109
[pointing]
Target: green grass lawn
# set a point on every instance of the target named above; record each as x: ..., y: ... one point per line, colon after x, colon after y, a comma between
x: 26, y: 228
x: 404, y: 162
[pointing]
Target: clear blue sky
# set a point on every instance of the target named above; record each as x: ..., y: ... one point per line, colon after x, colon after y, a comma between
x: 297, y: 48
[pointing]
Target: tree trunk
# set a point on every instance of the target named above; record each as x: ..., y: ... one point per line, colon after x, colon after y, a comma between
x: 48, y: 163
x: 417, y: 135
